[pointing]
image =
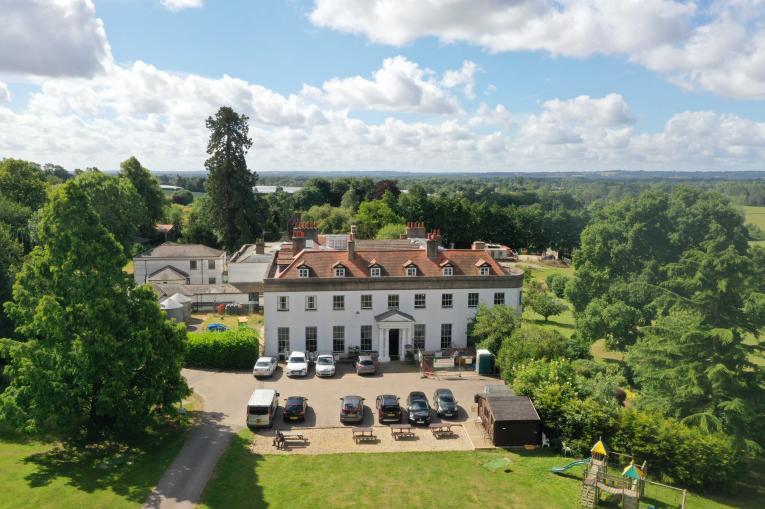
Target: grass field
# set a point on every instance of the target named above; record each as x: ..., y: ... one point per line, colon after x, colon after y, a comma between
x: 254, y: 321
x: 42, y: 474
x: 754, y: 215
x: 427, y: 479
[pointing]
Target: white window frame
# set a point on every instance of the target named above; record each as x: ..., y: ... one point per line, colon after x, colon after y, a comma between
x: 499, y: 298
x: 418, y: 336
x: 283, y: 339
x: 411, y: 271
x: 365, y: 338
x: 471, y: 296
x: 375, y: 272
x: 304, y: 272
x: 368, y: 305
x: 484, y: 270
x: 339, y: 271
x: 447, y: 300
x: 283, y: 303
x: 420, y: 300
x: 309, y: 300
x: 338, y: 334
x: 446, y: 334
x: 338, y: 303
x: 313, y: 337
x: 397, y: 298
x: 448, y: 270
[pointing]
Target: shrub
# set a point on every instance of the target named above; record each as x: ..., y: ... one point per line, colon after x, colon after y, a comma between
x: 182, y: 197
x: 231, y: 349
x: 557, y: 283
x: 527, y: 343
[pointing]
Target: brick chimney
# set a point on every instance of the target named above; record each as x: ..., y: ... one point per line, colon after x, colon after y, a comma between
x: 298, y: 241
x: 431, y: 245
x: 309, y: 229
x: 260, y: 246
x: 479, y: 245
x: 352, y: 243
x: 415, y: 230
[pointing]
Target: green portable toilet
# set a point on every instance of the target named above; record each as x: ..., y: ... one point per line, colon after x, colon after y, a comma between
x: 484, y: 362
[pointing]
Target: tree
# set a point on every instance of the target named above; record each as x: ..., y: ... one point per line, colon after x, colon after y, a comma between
x: 230, y: 185
x: 391, y: 231
x: 182, y: 197
x: 372, y: 216
x: 23, y: 182
x: 199, y: 227
x: 544, y: 303
x: 56, y: 173
x: 491, y: 326
x: 11, y: 252
x: 98, y: 356
x: 529, y: 342
x: 329, y: 219
x: 557, y: 284
x: 148, y: 189
x: 384, y: 186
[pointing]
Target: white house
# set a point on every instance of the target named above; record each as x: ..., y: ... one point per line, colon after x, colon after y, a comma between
x: 387, y: 297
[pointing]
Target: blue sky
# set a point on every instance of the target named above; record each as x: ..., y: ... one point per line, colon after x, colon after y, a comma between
x: 546, y: 87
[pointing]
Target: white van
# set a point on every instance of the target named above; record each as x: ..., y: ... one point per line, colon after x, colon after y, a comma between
x: 261, y: 408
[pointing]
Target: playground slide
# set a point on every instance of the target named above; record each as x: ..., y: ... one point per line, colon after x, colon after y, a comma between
x: 559, y: 470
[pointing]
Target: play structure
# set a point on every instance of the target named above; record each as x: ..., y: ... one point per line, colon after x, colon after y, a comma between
x: 627, y: 483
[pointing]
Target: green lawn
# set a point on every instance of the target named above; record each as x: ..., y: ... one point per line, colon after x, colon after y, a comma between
x: 428, y: 479
x: 754, y: 215
x: 254, y: 321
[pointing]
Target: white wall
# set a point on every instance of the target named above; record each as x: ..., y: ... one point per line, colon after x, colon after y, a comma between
x: 353, y: 317
x: 142, y: 267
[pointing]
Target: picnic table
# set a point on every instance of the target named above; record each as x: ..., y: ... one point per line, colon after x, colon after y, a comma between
x: 363, y: 434
x: 282, y: 437
x: 401, y: 431
x: 441, y: 429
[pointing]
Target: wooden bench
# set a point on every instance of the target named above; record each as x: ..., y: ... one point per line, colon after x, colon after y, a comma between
x: 401, y: 431
x: 441, y: 429
x: 288, y: 436
x: 363, y: 435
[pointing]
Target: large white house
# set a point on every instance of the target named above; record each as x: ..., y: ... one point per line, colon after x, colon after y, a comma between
x: 383, y: 296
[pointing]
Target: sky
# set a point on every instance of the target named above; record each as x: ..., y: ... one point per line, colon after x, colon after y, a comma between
x: 371, y: 85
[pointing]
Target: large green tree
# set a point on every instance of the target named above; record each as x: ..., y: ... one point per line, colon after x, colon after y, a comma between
x: 491, y: 326
x: 97, y: 354
x: 11, y: 253
x: 230, y: 184
x: 148, y: 189
x: 23, y: 182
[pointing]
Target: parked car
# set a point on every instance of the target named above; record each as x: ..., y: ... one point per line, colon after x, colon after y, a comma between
x: 261, y: 408
x: 365, y: 365
x: 444, y: 403
x: 294, y: 408
x: 418, y: 408
x: 297, y: 364
x: 351, y: 409
x: 264, y: 366
x: 325, y: 364
x: 388, y: 409
x: 217, y: 327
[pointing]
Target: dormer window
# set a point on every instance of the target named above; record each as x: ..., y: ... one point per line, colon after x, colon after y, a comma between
x: 411, y: 271
x: 484, y: 270
x: 340, y: 271
x: 375, y: 272
x: 448, y: 270
x: 304, y: 272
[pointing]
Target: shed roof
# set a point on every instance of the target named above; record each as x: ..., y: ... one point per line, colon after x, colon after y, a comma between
x: 505, y: 407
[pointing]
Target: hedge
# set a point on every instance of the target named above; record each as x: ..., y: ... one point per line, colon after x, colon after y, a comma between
x: 231, y: 349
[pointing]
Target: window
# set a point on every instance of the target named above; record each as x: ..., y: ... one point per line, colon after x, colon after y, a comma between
x: 411, y: 271
x: 338, y: 302
x: 446, y: 336
x: 499, y: 299
x: 283, y: 303
x: 375, y: 272
x: 419, y: 336
x: 419, y: 300
x: 310, y: 339
x: 472, y: 300
x: 338, y: 338
x: 253, y: 297
x: 210, y: 264
x: 339, y: 271
x: 392, y: 301
x: 193, y: 265
x: 447, y: 299
x: 448, y: 270
x: 303, y: 272
x: 211, y: 280
x: 366, y: 338
x: 310, y: 302
x: 484, y: 270
x: 283, y: 336
x: 366, y: 302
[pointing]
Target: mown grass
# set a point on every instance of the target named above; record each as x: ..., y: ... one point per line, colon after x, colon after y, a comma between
x: 40, y: 473
x: 754, y: 215
x: 254, y: 321
x: 426, y: 479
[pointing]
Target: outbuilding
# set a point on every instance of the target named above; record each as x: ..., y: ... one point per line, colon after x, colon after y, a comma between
x: 175, y: 310
x: 509, y: 420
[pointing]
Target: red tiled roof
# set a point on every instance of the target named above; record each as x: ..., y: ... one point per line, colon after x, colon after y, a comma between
x: 464, y: 261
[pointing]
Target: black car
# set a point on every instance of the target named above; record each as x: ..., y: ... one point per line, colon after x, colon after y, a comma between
x: 444, y: 403
x: 351, y: 409
x: 294, y: 408
x: 418, y: 408
x: 388, y: 409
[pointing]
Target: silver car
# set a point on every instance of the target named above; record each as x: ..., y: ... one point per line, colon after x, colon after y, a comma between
x: 325, y: 365
x: 265, y: 366
x: 365, y: 365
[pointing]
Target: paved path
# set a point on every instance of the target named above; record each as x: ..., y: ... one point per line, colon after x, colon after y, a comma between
x: 223, y: 393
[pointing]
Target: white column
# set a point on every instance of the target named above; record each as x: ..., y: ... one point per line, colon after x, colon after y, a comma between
x: 384, y: 346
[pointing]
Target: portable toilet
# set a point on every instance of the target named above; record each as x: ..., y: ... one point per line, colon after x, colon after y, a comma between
x: 174, y: 310
x: 484, y: 362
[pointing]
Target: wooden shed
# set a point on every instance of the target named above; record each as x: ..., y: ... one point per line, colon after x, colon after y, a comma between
x: 509, y: 420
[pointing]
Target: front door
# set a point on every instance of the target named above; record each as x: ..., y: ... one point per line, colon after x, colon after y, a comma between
x: 393, y: 335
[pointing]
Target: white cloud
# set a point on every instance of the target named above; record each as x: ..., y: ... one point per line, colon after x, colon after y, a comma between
x: 717, y: 46
x: 5, y: 94
x: 462, y: 77
x: 399, y: 85
x: 177, y: 5
x: 52, y: 38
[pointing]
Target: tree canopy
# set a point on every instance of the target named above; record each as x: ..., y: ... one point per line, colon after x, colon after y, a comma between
x: 23, y: 182
x: 148, y: 189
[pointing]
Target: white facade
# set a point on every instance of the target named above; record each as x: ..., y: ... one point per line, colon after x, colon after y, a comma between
x: 201, y: 271
x: 390, y: 335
